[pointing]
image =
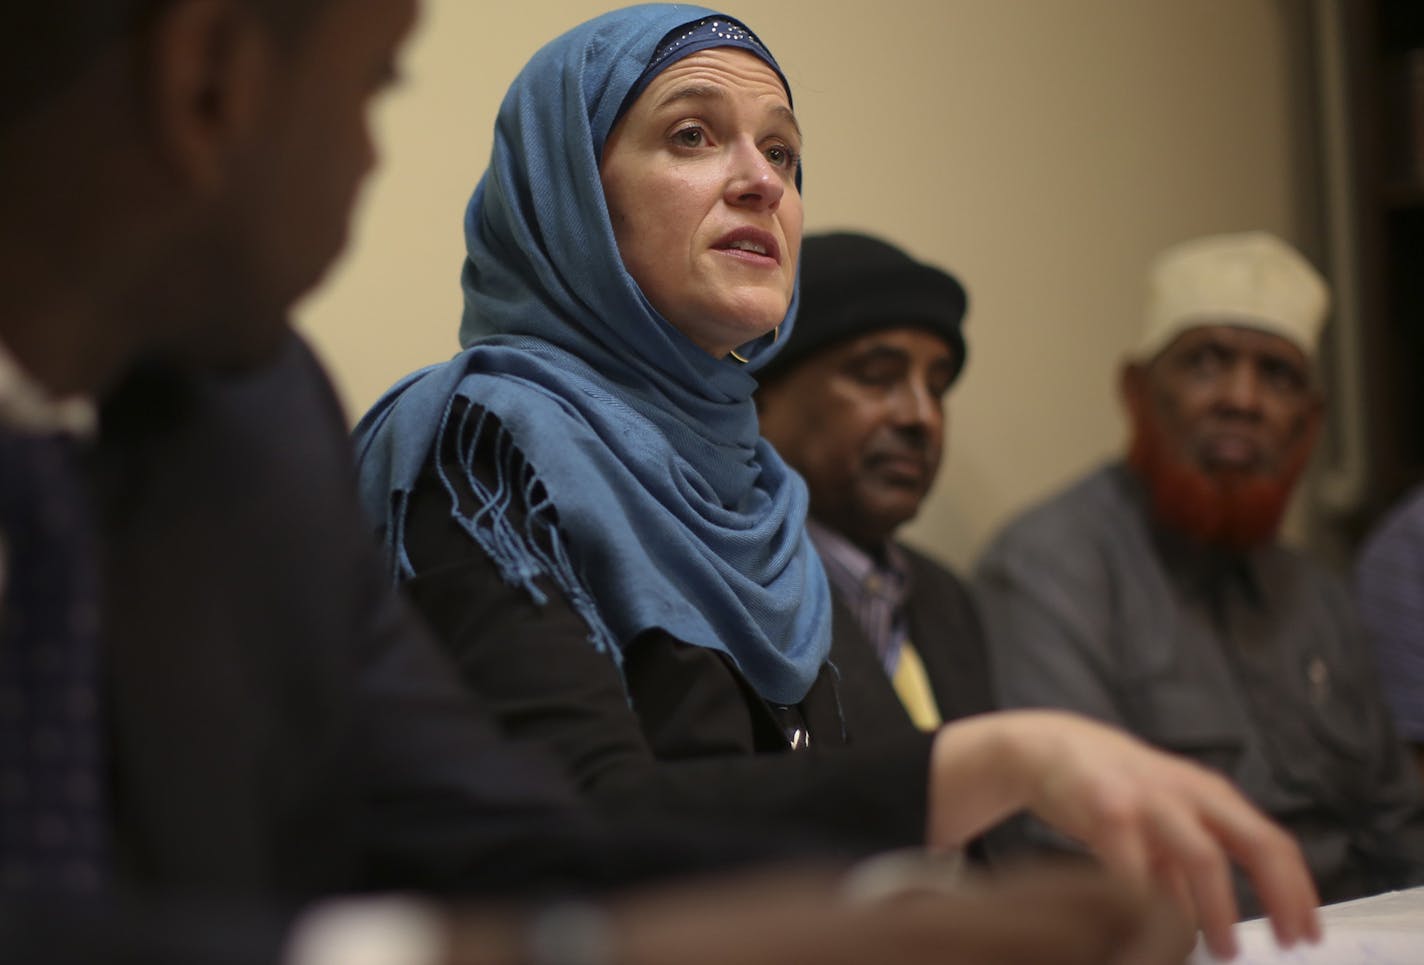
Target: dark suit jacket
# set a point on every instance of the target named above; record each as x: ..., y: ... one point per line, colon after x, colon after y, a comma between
x: 279, y: 727
x: 945, y: 631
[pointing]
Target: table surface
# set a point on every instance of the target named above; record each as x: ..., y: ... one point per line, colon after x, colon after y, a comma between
x: 1384, y: 929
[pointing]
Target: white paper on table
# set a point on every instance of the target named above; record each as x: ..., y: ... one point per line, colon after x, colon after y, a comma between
x: 1384, y: 929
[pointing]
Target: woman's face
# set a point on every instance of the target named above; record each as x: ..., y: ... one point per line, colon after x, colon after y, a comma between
x: 700, y: 179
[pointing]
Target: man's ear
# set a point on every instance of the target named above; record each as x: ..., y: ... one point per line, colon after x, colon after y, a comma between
x: 209, y: 70
x: 1132, y: 384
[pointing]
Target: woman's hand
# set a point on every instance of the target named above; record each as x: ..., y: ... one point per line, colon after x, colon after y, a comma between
x: 1149, y: 816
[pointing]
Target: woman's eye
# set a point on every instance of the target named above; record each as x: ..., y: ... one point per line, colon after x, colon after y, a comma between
x: 781, y: 155
x: 689, y: 137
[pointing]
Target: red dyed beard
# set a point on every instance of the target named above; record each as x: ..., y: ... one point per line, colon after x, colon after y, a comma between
x: 1236, y: 510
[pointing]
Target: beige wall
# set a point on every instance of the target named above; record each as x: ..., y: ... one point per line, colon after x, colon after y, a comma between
x: 1042, y: 149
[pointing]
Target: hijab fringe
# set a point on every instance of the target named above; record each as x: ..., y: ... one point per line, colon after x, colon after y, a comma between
x: 522, y: 557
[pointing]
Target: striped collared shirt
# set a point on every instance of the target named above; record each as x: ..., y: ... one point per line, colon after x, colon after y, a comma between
x: 875, y: 591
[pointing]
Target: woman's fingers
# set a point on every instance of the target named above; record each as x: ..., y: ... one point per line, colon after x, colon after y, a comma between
x: 1273, y: 861
x: 1147, y: 814
x: 1199, y: 863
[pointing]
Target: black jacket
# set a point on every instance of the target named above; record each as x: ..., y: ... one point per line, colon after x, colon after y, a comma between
x: 279, y: 727
x: 680, y: 729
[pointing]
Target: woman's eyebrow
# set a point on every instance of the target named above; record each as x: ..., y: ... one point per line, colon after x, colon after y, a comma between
x: 789, y: 115
x: 693, y: 92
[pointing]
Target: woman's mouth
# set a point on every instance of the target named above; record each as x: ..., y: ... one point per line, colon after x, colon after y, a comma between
x: 750, y: 245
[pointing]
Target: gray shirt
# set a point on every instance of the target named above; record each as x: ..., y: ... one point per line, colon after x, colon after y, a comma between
x: 1252, y: 664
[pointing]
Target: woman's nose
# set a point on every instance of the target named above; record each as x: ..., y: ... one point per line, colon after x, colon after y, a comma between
x: 753, y: 181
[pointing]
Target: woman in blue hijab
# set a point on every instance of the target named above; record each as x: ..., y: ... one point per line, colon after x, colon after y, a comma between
x: 632, y: 257
x: 582, y: 505
x: 580, y: 501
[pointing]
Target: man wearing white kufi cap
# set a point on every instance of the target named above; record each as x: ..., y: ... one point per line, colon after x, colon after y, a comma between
x: 1251, y: 280
x: 1154, y: 594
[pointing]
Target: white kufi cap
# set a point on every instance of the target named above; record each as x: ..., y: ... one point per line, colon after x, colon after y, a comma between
x: 1254, y: 280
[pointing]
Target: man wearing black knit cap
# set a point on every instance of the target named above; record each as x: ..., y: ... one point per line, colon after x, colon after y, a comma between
x: 855, y: 402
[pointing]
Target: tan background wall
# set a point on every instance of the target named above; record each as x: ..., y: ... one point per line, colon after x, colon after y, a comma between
x: 1041, y: 149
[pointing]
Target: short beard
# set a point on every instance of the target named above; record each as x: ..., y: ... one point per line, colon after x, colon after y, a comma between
x: 1226, y: 509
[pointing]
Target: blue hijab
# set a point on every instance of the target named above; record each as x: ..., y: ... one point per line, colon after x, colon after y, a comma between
x: 652, y: 500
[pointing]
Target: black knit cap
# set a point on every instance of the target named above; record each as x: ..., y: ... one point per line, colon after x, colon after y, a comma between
x: 853, y: 284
